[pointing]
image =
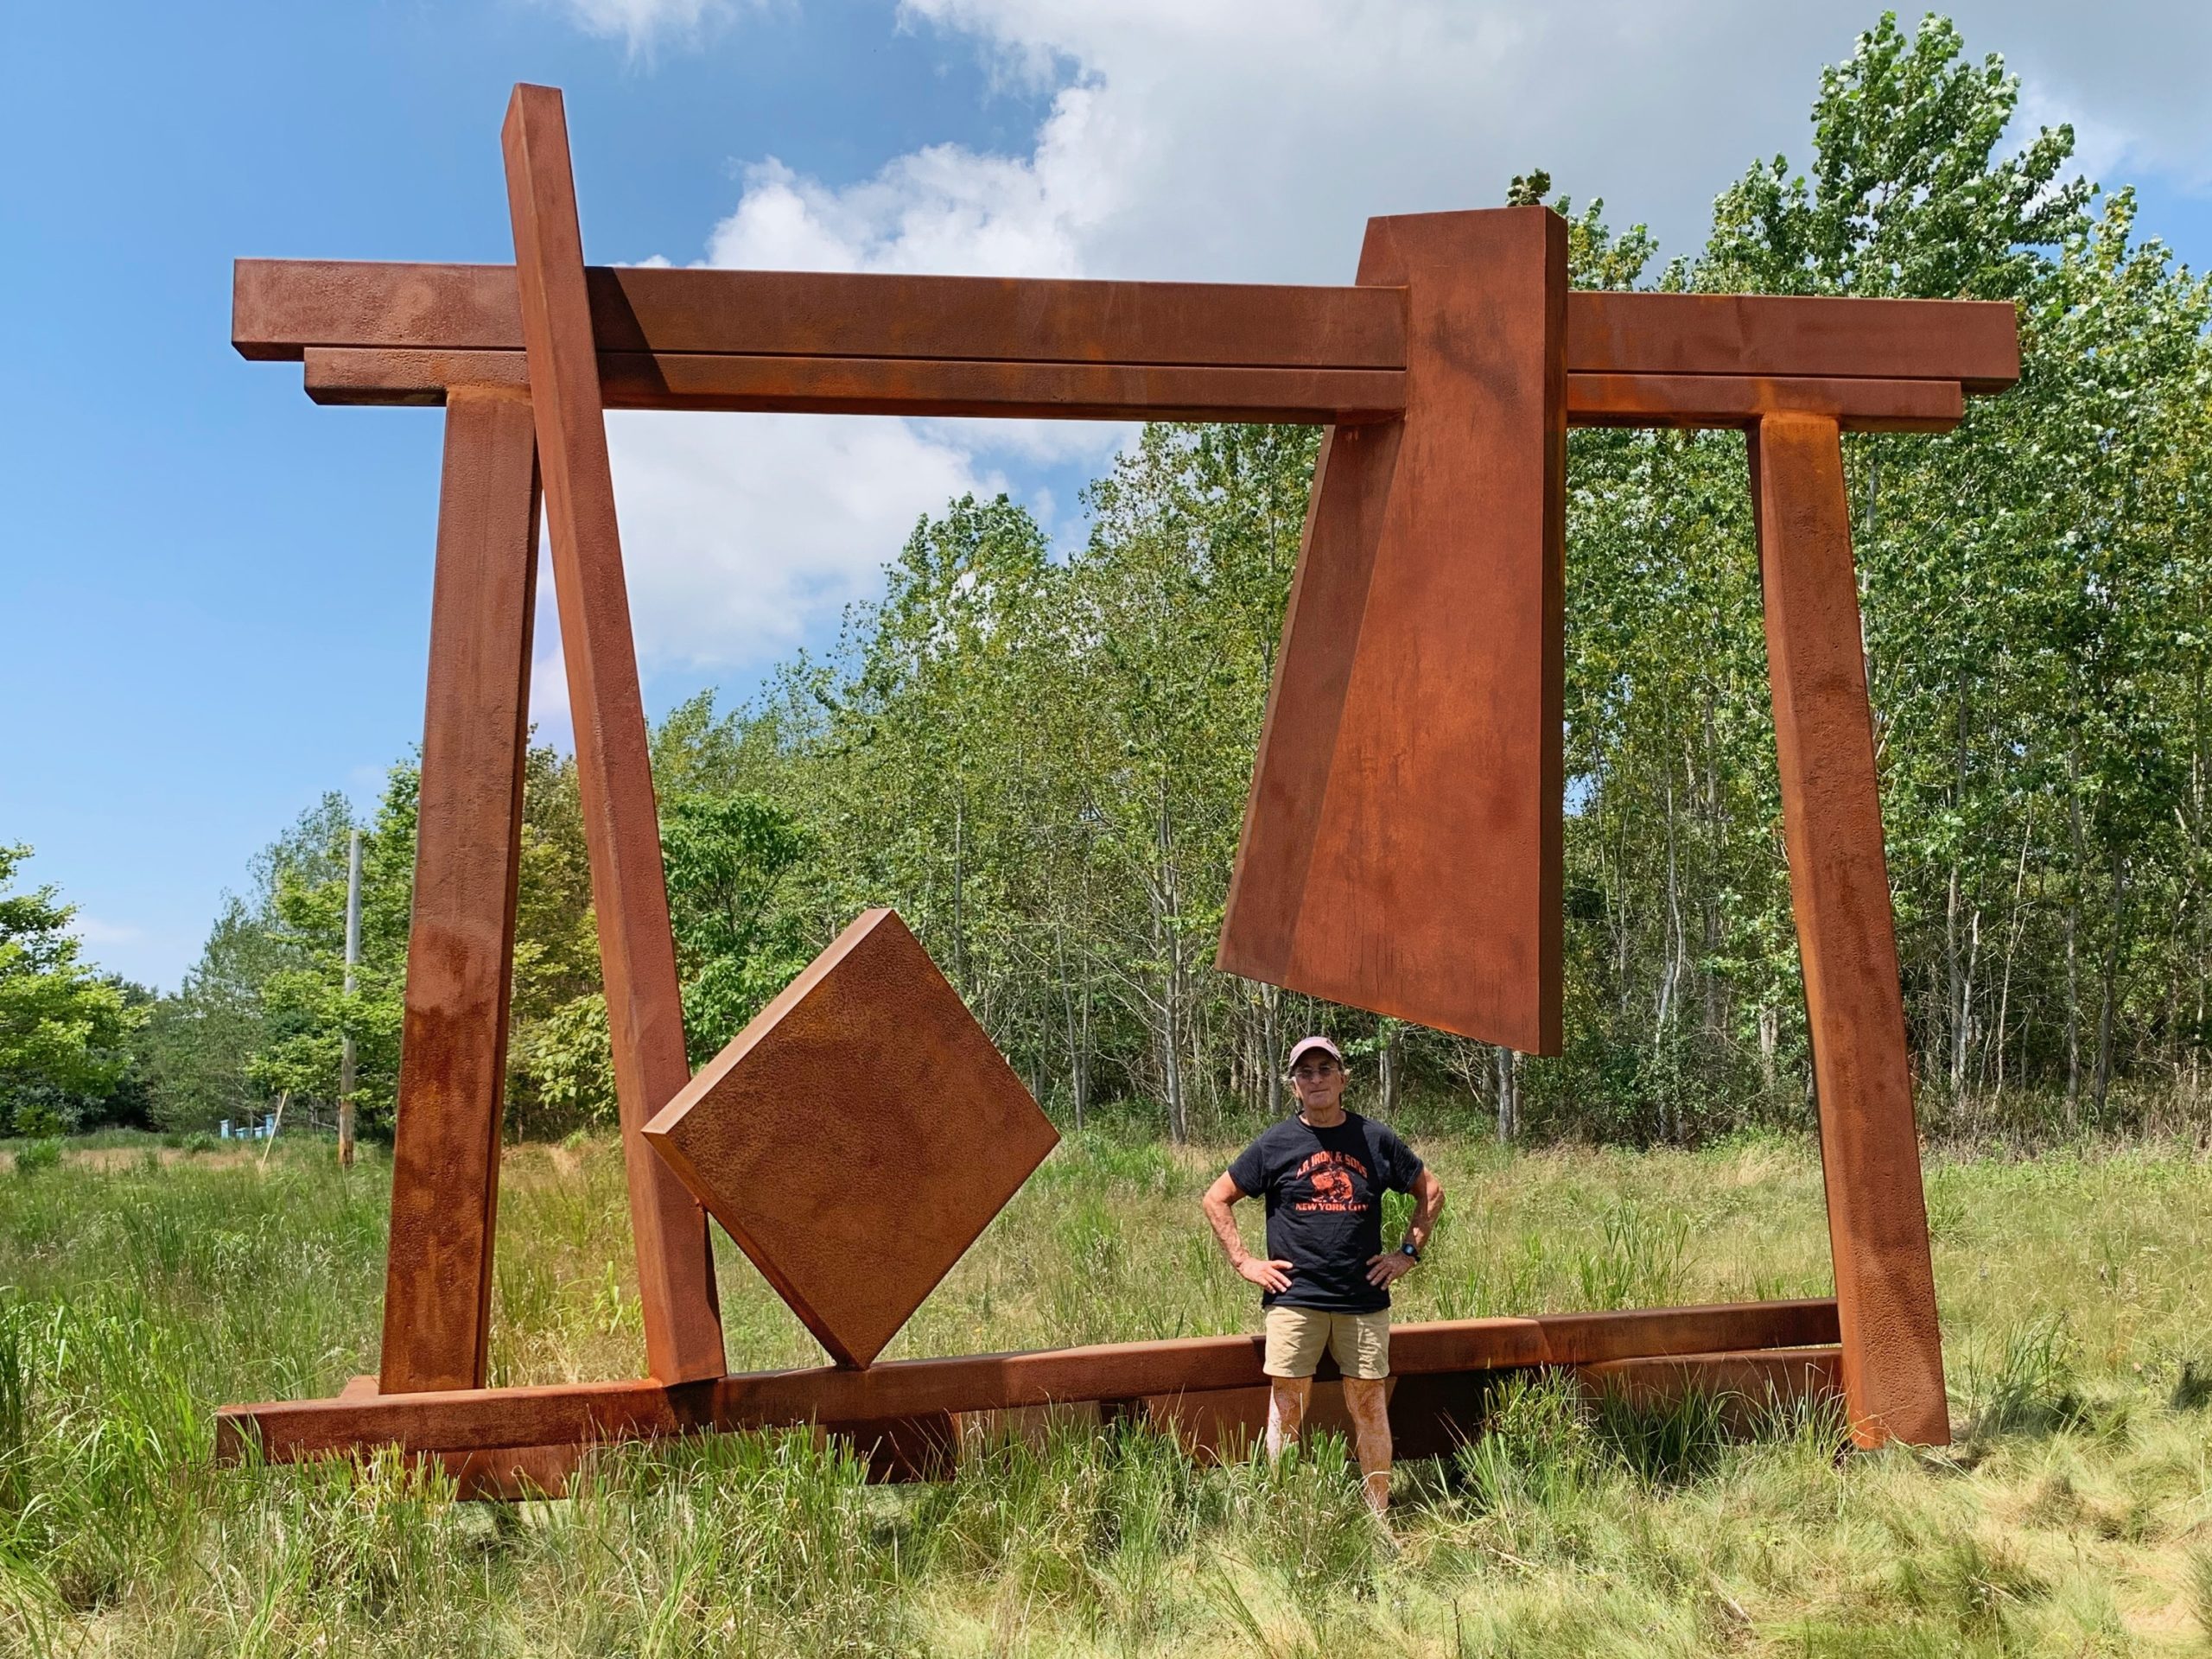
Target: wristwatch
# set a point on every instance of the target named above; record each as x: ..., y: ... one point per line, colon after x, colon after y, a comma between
x: 1410, y: 1248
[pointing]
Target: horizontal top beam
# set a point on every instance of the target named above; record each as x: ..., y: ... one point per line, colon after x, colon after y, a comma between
x: 1974, y: 343
x: 281, y: 308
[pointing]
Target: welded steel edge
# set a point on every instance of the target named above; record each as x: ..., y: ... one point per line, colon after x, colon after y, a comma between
x: 282, y: 306
x: 489, y: 1419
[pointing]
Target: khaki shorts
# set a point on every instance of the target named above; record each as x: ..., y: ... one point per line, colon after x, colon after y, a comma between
x: 1296, y: 1336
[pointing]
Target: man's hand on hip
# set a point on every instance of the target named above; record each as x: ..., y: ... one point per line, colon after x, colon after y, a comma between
x: 1388, y: 1268
x: 1269, y: 1276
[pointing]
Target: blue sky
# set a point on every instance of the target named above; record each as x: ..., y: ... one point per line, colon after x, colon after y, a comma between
x: 213, y: 595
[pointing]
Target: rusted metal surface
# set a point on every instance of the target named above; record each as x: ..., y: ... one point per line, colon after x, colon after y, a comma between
x: 874, y: 385
x: 904, y: 1448
x: 1726, y: 400
x: 512, y: 1473
x: 857, y: 1136
x: 576, y: 1413
x: 453, y: 1055
x: 1402, y: 841
x: 1839, y: 889
x: 1974, y: 342
x: 281, y: 306
x: 637, y: 951
x: 336, y: 375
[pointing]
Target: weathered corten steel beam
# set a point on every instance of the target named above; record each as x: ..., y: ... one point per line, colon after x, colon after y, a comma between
x: 637, y: 948
x: 1974, y: 342
x: 1091, y: 392
x: 1839, y: 889
x: 1739, y: 400
x: 281, y: 307
x: 453, y: 1052
x: 875, y: 386
x: 575, y: 1414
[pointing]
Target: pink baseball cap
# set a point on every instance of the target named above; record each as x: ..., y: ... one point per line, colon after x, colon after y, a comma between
x: 1305, y: 1046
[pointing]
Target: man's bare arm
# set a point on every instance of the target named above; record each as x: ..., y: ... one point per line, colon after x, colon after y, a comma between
x: 1219, y: 1200
x: 1428, y: 1204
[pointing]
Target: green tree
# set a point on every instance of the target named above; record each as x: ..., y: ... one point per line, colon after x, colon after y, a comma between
x: 64, y: 1030
x: 199, y: 1043
x: 726, y: 857
x: 308, y: 1010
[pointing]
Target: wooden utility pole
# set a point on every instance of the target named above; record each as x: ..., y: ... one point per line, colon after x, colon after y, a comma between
x: 352, y: 956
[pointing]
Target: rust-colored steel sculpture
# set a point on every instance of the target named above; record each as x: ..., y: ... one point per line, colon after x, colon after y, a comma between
x: 1402, y: 843
x: 857, y: 1136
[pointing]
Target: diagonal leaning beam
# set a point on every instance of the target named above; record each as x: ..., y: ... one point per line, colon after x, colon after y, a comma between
x: 453, y: 1063
x: 676, y: 1278
x: 1839, y: 891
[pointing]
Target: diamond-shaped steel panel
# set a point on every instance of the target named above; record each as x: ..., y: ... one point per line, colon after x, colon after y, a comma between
x: 857, y: 1136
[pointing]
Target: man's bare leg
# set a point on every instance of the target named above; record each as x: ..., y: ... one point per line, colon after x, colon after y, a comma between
x: 1287, y: 1398
x: 1370, y: 1405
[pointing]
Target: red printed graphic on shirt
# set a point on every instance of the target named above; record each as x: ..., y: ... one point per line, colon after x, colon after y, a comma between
x: 1329, y: 1174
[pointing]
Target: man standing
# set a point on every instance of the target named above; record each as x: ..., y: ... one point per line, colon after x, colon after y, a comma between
x: 1326, y: 1281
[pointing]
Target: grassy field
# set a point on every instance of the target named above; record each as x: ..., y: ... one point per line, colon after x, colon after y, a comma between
x: 140, y: 1285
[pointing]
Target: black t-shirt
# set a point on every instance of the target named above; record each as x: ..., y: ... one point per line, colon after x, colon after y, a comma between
x: 1324, y: 1190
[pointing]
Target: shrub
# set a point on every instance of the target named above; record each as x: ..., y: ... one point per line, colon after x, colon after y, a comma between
x: 38, y: 1156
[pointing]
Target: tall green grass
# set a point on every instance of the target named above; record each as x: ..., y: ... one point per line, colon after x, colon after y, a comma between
x: 140, y: 1286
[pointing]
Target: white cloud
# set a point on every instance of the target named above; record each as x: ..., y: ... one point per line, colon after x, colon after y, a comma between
x: 644, y: 24
x: 1250, y: 139
x: 740, y: 529
x: 944, y: 208
x: 742, y: 533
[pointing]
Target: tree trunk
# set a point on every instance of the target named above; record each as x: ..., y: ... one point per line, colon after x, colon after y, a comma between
x: 2109, y: 991
x: 1271, y: 1047
x: 1387, y: 1071
x: 2073, y: 933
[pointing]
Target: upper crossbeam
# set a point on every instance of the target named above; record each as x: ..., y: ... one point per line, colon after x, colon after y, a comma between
x: 282, y: 309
